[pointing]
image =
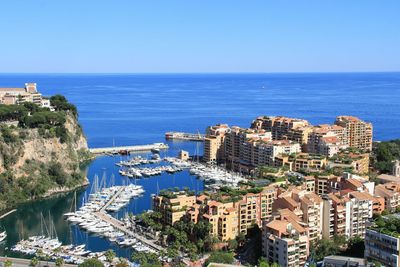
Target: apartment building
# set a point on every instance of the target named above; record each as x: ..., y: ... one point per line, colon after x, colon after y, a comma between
x: 285, y: 241
x: 29, y: 93
x: 214, y: 143
x: 237, y: 150
x: 223, y: 218
x: 358, y: 132
x: 358, y: 210
x: 391, y: 193
x: 255, y: 208
x: 301, y: 161
x: 346, y: 213
x: 326, y: 140
x: 281, y: 127
x: 382, y: 247
x: 308, y: 206
x: 172, y: 205
x: 334, y: 215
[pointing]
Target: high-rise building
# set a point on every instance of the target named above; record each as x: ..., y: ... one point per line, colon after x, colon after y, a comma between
x: 254, y: 208
x: 281, y: 127
x: 382, y: 247
x: 285, y: 240
x: 358, y: 132
x: 214, y: 143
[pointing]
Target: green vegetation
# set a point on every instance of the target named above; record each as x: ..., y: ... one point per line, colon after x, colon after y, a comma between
x: 49, y: 124
x: 34, y: 262
x: 184, y: 236
x: 338, y: 246
x: 145, y: 259
x: 91, y: 263
x: 325, y: 247
x: 59, y: 262
x: 110, y: 255
x: 220, y: 257
x: 227, y: 194
x: 175, y: 192
x: 388, y: 225
x: 383, y: 155
x: 262, y: 262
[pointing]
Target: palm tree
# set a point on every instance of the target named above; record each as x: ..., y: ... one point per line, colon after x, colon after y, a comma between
x: 59, y: 262
x: 34, y: 262
x: 110, y: 255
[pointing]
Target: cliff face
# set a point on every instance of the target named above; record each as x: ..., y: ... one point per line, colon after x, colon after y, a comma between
x: 34, y: 162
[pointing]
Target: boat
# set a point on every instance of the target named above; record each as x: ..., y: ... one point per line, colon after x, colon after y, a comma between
x: 3, y: 236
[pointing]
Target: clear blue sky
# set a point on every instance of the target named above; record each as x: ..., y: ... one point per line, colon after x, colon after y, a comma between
x: 199, y: 36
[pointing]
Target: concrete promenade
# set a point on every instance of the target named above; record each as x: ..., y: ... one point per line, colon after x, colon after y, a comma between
x: 138, y: 148
x: 18, y: 262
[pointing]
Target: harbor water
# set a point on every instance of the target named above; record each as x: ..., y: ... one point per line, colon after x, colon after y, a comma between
x: 138, y: 109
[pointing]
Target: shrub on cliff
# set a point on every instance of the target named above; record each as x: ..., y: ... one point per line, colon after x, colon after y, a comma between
x: 60, y: 103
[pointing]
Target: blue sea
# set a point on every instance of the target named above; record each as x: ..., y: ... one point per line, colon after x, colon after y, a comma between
x: 130, y: 109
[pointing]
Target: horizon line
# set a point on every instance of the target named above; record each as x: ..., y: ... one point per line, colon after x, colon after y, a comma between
x: 174, y: 73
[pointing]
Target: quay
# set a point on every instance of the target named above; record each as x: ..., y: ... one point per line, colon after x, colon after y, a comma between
x: 119, y: 225
x: 184, y: 136
x: 19, y: 262
x: 138, y: 148
x: 8, y: 213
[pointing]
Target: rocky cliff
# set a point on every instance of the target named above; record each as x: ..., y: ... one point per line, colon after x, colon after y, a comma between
x: 40, y: 160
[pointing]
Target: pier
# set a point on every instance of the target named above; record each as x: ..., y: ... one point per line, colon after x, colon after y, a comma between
x: 185, y: 136
x: 119, y: 225
x: 112, y: 199
x: 137, y: 148
x: 8, y: 213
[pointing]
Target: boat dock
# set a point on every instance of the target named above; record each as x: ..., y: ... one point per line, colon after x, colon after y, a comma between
x: 138, y: 148
x: 8, y: 213
x: 112, y: 199
x: 119, y: 225
x: 184, y: 136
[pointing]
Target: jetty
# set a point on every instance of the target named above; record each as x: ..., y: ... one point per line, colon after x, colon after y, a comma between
x: 120, y: 226
x: 184, y: 136
x: 8, y: 213
x: 136, y: 148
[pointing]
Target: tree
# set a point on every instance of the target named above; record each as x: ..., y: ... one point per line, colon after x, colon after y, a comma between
x: 262, y: 262
x: 146, y: 259
x: 8, y: 263
x: 59, y: 262
x: 232, y: 244
x: 110, y: 255
x: 323, y: 248
x: 220, y: 257
x: 91, y: 263
x: 34, y: 262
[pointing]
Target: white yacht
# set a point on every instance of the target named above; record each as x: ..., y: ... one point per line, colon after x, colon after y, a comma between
x: 3, y: 236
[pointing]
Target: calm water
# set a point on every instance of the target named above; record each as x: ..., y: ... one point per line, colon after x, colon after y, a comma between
x: 139, y: 109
